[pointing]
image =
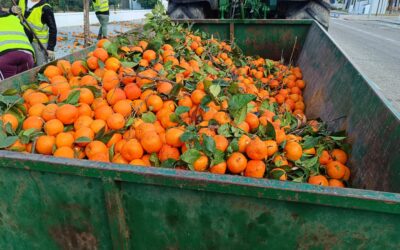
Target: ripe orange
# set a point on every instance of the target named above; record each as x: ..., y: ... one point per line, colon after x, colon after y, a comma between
x: 236, y: 163
x: 243, y: 142
x: 149, y: 55
x: 110, y: 80
x: 219, y: 168
x: 101, y: 54
x: 116, y: 121
x: 77, y: 68
x: 151, y: 142
x: 279, y: 174
x: 83, y: 121
x: 49, y: 112
x: 53, y: 127
x: 172, y: 137
x: 115, y: 95
x: 336, y: 183
x: 33, y: 122
x: 123, y: 107
x: 131, y: 150
x: 336, y: 169
x: 84, y: 132
x: 52, y: 71
x: 257, y: 149
x: 293, y: 150
x: 64, y: 140
x: 255, y: 169
x: 64, y: 152
x: 154, y: 103
x: 339, y: 155
x: 98, y: 125
x: 103, y: 113
x: 115, y: 138
x: 11, y: 119
x: 132, y: 91
x: 221, y: 143
x: 35, y: 110
x: 325, y: 158
x: 167, y: 152
x: 45, y: 144
x: 318, y: 180
x: 94, y: 148
x: 67, y: 114
x: 272, y: 147
x: 113, y: 64
x: 201, y: 163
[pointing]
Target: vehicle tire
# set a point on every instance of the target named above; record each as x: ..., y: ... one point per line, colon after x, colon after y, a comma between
x: 317, y: 10
x: 185, y: 11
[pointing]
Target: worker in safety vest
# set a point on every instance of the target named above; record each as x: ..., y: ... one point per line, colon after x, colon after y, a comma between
x: 39, y: 14
x: 16, y: 51
x: 103, y: 14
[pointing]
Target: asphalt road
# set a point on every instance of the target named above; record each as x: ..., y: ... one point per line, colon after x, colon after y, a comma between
x: 374, y: 47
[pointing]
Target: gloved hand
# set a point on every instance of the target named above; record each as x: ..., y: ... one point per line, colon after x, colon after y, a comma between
x: 16, y: 10
x: 51, y: 55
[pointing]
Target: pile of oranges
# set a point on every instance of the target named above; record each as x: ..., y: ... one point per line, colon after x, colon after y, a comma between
x: 193, y: 106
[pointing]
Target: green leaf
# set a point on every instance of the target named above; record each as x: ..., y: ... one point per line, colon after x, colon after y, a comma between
x: 217, y: 157
x: 204, y: 102
x: 310, y: 141
x: 225, y: 130
x: 338, y: 138
x: 169, y: 163
x: 267, y: 132
x: 215, y: 90
x: 83, y: 139
x: 8, y: 141
x: 154, y: 160
x: 175, y: 90
x: 68, y: 127
x: 101, y: 64
x: 112, y: 48
x: 8, y: 128
x: 111, y: 152
x: 233, y: 146
x: 265, y: 105
x: 181, y: 109
x: 238, y: 106
x: 127, y: 64
x: 42, y: 78
x: 188, y: 136
x: 149, y: 117
x: 10, y: 92
x: 209, y: 145
x: 190, y: 156
x: 209, y: 69
x: 73, y: 97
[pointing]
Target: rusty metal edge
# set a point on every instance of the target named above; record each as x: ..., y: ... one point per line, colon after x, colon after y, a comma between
x: 228, y: 184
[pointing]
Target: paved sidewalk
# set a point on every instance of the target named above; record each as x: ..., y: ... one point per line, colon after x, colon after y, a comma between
x: 392, y: 19
x: 70, y: 39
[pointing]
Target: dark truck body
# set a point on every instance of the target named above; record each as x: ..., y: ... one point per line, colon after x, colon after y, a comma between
x: 53, y: 203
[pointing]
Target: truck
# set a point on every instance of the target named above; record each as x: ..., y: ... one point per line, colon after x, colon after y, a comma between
x: 52, y: 203
x: 318, y: 10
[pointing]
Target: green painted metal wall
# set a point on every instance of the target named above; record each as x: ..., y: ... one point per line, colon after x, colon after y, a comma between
x: 50, y: 203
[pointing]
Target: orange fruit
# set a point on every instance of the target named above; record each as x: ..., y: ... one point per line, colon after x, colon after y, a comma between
x: 83, y: 121
x: 77, y: 68
x: 131, y: 150
x: 255, y: 169
x: 123, y: 107
x: 67, y: 114
x: 110, y: 80
x: 339, y: 155
x: 103, y: 113
x: 325, y: 158
x: 37, y: 97
x: 53, y: 127
x: 64, y: 152
x: 64, y: 139
x: 33, y: 122
x: 144, y: 128
x: 98, y: 125
x: 11, y: 119
x: 113, y: 64
x: 86, y: 96
x: 257, y: 149
x: 137, y: 162
x: 221, y: 143
x: 236, y: 163
x: 115, y: 138
x: 92, y: 62
x: 336, y: 183
x: 115, y: 95
x: 335, y: 169
x: 52, y: 71
x: 35, y: 110
x: 49, y: 112
x: 149, y: 55
x: 293, y: 151
x: 84, y: 132
x: 280, y: 161
x: 201, y: 163
x: 219, y: 168
x: 272, y: 147
x: 64, y: 66
x: 116, y: 121
x: 94, y: 148
x: 172, y: 137
x: 167, y: 152
x: 318, y: 180
x: 154, y: 103
x: 45, y: 144
x: 151, y: 142
x: 101, y: 54
x: 119, y: 159
x: 132, y: 91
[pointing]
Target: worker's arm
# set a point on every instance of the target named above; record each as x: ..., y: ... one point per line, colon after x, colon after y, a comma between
x: 49, y: 20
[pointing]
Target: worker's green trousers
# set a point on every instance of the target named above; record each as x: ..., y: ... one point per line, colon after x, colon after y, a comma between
x: 103, y: 19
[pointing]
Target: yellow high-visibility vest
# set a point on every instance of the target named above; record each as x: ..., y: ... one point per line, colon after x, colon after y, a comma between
x: 35, y: 21
x: 100, y: 5
x: 12, y: 35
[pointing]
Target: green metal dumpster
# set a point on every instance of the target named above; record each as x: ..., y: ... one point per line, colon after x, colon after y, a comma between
x: 50, y: 203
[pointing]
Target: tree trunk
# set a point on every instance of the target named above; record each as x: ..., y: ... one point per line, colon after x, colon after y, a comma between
x: 86, y: 25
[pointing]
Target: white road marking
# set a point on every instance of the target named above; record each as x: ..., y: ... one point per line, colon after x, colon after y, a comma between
x: 367, y: 33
